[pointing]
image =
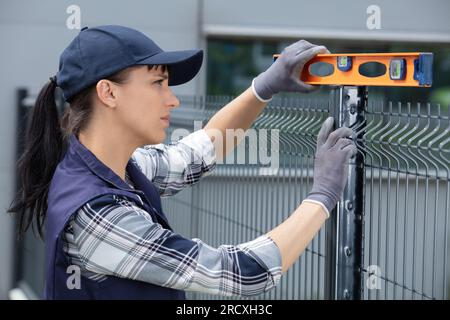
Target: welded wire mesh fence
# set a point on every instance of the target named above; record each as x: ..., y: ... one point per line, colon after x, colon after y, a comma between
x: 406, y: 148
x: 406, y: 151
x: 407, y: 200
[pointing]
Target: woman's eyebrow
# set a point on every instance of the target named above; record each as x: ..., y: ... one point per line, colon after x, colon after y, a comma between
x: 165, y: 76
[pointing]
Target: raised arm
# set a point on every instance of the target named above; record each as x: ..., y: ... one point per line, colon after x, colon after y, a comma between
x: 281, y: 76
x: 177, y: 165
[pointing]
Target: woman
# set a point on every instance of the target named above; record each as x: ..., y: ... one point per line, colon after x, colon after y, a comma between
x: 96, y: 177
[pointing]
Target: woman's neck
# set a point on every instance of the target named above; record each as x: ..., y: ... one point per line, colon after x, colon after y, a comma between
x: 112, y: 149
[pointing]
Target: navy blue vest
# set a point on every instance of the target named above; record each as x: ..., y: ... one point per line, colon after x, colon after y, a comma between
x: 79, y: 178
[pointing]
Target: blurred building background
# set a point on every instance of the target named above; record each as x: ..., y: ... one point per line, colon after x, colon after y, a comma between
x: 239, y: 38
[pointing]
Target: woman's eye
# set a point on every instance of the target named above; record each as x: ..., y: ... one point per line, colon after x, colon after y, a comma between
x: 159, y: 82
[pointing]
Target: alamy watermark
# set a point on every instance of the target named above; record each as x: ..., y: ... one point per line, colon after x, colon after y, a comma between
x: 73, y: 21
x: 74, y: 279
x: 373, y: 282
x: 373, y: 21
x: 263, y: 146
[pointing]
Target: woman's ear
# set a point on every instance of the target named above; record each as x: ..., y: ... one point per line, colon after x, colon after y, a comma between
x: 106, y: 92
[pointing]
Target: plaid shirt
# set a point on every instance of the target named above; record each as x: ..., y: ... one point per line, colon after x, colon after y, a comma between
x: 111, y: 235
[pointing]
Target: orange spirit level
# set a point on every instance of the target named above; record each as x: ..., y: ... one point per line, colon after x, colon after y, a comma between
x: 409, y: 69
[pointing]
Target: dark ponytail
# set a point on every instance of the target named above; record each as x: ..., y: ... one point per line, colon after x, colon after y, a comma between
x: 43, y: 149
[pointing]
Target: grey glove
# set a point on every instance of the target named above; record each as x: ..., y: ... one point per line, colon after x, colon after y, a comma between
x: 331, y: 164
x: 284, y: 73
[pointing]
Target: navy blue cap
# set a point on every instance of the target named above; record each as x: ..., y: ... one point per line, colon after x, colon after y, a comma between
x: 99, y: 52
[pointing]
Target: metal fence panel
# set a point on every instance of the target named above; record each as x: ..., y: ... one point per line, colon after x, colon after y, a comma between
x: 406, y: 150
x: 407, y: 200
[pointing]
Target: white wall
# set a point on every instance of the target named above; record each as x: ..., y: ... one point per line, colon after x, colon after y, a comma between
x: 401, y: 20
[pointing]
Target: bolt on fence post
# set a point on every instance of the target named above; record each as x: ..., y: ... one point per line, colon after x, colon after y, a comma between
x: 344, y: 231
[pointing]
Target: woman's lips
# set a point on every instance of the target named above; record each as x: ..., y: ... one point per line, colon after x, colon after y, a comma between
x: 166, y: 120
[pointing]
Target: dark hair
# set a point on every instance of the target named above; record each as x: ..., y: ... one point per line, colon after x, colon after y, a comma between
x: 46, y: 141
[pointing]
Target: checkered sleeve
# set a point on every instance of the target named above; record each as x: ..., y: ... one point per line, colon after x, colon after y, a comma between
x: 177, y: 165
x: 115, y: 237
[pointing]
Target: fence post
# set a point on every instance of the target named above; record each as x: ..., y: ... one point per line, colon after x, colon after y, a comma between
x: 344, y: 230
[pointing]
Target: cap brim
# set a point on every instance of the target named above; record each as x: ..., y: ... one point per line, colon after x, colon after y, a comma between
x: 184, y: 64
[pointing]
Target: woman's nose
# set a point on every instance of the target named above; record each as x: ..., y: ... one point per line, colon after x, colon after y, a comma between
x: 173, y: 100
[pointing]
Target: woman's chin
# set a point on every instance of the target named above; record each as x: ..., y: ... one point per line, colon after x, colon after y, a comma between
x: 160, y: 137
x: 155, y: 138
